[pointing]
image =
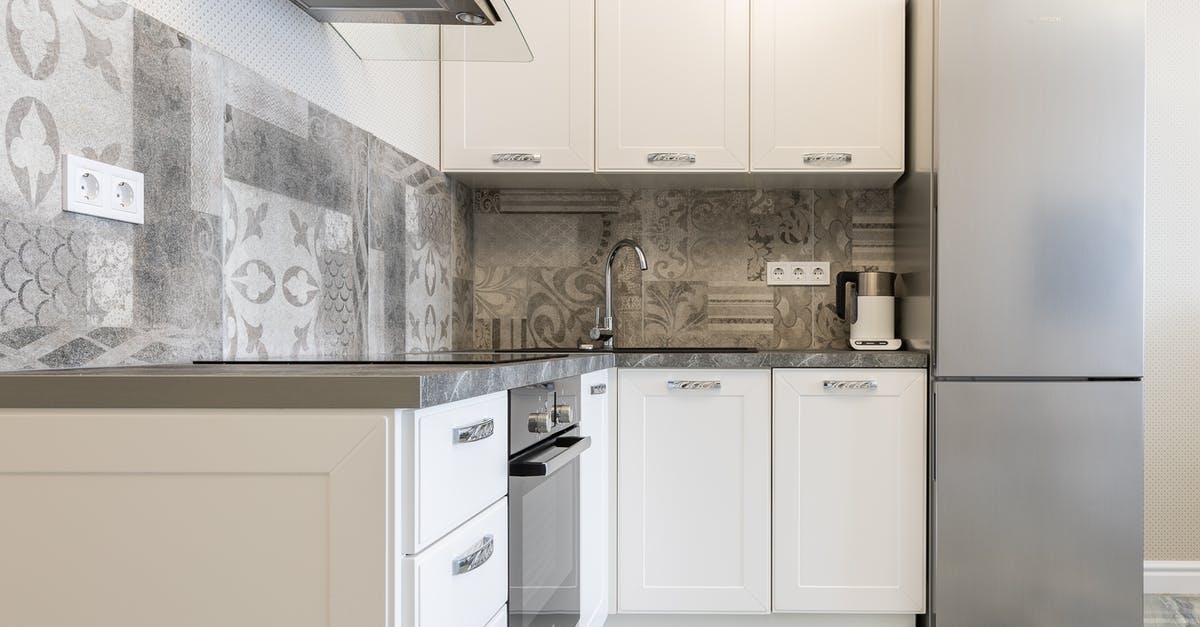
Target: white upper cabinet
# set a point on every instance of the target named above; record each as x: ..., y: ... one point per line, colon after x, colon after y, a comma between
x: 672, y: 85
x: 827, y: 86
x: 849, y: 491
x: 524, y: 116
x: 694, y: 491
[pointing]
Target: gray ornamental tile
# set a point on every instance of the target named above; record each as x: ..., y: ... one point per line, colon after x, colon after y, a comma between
x: 62, y: 54
x: 112, y: 336
x: 21, y: 337
x: 74, y: 354
x: 561, y: 306
x: 676, y: 313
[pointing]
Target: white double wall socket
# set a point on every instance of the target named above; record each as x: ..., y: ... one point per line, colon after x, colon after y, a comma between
x: 103, y: 190
x: 798, y: 273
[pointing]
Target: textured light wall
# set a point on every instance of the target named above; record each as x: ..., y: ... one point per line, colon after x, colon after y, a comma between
x: 1172, y: 295
x: 394, y: 100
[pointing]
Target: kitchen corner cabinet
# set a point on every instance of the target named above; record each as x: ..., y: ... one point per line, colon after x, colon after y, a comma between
x: 827, y: 86
x: 536, y: 116
x: 672, y: 85
x: 694, y: 491
x: 194, y: 517
x: 849, y: 491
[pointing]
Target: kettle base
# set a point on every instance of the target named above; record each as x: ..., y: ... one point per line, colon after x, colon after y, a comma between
x: 876, y: 345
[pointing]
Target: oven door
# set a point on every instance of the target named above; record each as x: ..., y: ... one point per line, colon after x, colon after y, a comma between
x: 543, y: 532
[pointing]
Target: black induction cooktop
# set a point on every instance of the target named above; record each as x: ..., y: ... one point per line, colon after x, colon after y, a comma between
x: 447, y: 358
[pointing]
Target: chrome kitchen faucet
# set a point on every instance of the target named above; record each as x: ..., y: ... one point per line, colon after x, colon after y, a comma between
x: 604, y: 330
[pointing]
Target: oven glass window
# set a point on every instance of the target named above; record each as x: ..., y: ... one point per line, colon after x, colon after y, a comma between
x: 544, y: 549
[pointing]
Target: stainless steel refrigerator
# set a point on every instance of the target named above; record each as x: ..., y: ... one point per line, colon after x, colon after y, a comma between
x: 1033, y: 180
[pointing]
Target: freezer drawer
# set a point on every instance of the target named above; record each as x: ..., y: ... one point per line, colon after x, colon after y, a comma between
x: 1038, y: 504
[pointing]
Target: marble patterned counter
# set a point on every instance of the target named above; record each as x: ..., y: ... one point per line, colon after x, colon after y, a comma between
x: 370, y: 386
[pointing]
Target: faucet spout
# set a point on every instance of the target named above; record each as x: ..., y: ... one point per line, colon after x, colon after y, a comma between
x: 605, y: 329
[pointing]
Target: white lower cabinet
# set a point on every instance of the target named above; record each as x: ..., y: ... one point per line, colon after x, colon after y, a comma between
x: 594, y: 504
x: 849, y: 491
x: 462, y: 580
x: 194, y: 518
x: 694, y: 491
x: 452, y: 462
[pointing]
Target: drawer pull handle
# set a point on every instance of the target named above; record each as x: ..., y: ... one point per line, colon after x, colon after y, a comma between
x: 516, y: 157
x: 828, y: 158
x: 671, y: 158
x: 476, y: 432
x: 869, y: 385
x: 476, y: 556
x: 600, y: 388
x: 693, y: 385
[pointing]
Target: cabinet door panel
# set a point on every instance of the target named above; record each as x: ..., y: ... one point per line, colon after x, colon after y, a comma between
x: 544, y: 107
x: 827, y: 76
x: 144, y: 518
x: 693, y: 492
x: 672, y: 76
x: 849, y: 491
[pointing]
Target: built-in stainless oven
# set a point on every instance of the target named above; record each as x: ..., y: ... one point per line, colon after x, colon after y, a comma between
x: 545, y: 446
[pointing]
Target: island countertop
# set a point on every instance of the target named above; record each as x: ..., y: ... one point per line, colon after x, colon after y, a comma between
x: 370, y: 386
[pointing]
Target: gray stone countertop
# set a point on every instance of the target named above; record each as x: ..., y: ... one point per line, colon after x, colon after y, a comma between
x: 775, y: 359
x: 291, y: 386
x: 370, y: 386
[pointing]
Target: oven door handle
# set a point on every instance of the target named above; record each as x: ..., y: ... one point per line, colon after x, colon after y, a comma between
x: 572, y: 447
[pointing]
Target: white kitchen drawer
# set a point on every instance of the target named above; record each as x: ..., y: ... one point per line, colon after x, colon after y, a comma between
x: 442, y: 587
x: 446, y: 479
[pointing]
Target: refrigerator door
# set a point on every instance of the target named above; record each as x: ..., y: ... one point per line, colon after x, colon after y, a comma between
x: 1040, y: 188
x: 1038, y: 504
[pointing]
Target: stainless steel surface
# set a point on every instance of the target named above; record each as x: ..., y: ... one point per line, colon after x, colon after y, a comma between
x: 474, y: 12
x: 828, y: 158
x: 671, y: 157
x: 851, y: 386
x: 549, y: 460
x: 851, y: 285
x: 1040, y: 188
x: 605, y: 330
x: 693, y: 385
x: 479, y: 431
x: 476, y: 556
x: 516, y: 157
x: 541, y: 412
x: 1038, y: 504
x: 540, y: 422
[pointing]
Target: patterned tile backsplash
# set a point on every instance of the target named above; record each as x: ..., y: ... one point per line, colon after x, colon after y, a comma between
x: 273, y: 228
x: 539, y: 272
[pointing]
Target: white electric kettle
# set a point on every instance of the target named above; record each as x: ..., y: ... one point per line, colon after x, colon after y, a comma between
x: 867, y: 300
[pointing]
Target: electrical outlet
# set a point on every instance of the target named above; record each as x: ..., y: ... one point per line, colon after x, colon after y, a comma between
x: 798, y: 273
x: 102, y: 190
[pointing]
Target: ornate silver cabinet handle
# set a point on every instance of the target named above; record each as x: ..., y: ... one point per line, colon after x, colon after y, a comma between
x: 599, y: 388
x: 476, y: 556
x: 693, y: 385
x: 671, y: 157
x: 476, y: 432
x: 828, y: 158
x: 868, y: 385
x: 516, y: 157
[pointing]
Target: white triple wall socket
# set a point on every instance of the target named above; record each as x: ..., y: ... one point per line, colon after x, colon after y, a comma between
x: 798, y: 273
x: 103, y: 190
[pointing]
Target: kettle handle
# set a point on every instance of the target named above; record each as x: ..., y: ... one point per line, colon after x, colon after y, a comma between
x: 844, y: 281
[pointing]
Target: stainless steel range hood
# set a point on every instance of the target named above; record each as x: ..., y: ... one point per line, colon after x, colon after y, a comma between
x: 459, y: 12
x: 424, y: 30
